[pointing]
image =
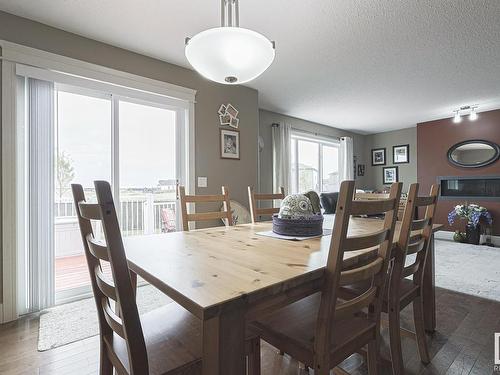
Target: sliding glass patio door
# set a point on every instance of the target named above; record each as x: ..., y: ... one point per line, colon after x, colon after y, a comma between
x: 78, y: 135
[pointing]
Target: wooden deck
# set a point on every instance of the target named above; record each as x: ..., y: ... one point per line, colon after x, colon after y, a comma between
x: 72, y: 272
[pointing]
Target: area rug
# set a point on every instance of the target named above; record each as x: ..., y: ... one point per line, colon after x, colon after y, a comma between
x: 64, y: 324
x: 468, y: 269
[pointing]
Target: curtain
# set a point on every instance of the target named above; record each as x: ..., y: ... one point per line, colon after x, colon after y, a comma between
x: 40, y: 123
x: 346, y: 159
x: 281, y: 156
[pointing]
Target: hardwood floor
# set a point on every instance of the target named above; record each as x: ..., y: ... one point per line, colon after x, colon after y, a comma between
x: 463, y: 344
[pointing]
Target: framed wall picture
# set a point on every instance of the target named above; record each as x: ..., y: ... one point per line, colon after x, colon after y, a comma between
x: 229, y: 144
x: 390, y: 175
x: 401, y: 154
x: 378, y: 156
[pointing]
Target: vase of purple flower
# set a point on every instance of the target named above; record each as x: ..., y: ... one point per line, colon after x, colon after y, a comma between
x: 474, y: 214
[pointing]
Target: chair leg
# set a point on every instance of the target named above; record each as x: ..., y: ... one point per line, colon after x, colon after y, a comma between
x: 373, y: 357
x: 395, y: 341
x: 254, y: 357
x: 418, y: 317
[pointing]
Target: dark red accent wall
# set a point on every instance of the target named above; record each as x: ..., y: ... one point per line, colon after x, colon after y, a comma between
x: 434, y: 138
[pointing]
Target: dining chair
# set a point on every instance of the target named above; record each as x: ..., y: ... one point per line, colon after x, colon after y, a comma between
x: 253, y: 199
x: 225, y: 214
x: 321, y: 330
x: 407, y: 275
x: 167, y: 340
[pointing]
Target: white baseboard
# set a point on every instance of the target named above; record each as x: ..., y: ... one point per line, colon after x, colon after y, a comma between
x: 448, y: 236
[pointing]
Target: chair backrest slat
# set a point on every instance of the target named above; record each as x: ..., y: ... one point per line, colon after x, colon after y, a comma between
x: 118, y: 293
x: 224, y: 214
x: 90, y: 211
x: 363, y: 242
x: 108, y: 289
x: 362, y: 273
x: 375, y: 271
x: 426, y: 201
x: 112, y: 319
x: 349, y: 308
x: 416, y: 246
x: 419, y: 224
x: 253, y: 199
x: 97, y: 249
x: 379, y: 196
x: 372, y: 207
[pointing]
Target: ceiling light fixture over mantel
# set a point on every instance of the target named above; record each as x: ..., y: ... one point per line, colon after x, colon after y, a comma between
x: 230, y: 54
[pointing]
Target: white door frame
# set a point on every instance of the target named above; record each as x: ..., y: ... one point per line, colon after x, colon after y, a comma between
x: 52, y: 64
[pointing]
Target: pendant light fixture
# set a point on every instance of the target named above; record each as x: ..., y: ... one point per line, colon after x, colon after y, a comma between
x: 230, y: 54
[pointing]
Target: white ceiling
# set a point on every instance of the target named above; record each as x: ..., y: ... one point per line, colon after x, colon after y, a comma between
x: 363, y: 65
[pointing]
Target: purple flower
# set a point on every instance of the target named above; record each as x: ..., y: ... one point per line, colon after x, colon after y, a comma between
x: 472, y: 212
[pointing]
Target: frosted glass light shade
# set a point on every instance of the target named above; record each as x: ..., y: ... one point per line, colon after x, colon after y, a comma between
x: 230, y: 55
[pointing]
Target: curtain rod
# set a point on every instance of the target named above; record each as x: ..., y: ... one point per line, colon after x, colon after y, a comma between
x: 276, y: 125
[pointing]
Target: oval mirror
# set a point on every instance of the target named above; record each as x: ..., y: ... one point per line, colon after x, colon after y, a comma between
x: 473, y: 153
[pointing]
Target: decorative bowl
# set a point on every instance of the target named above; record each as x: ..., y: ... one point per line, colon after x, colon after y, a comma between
x: 304, y: 227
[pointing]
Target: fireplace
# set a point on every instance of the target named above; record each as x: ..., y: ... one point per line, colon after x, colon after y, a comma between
x: 470, y: 187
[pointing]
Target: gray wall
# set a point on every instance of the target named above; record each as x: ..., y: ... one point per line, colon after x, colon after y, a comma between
x: 407, y: 172
x: 235, y: 174
x: 266, y: 118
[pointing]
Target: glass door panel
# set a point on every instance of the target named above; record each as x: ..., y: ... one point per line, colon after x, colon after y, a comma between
x: 147, y: 170
x: 82, y: 155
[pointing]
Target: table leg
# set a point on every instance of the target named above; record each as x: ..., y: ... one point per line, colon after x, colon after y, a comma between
x: 429, y: 296
x: 224, y: 344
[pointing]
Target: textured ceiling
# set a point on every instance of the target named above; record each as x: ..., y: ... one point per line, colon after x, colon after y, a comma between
x: 363, y: 65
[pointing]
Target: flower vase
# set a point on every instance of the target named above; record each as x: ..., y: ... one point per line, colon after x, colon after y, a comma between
x: 473, y: 234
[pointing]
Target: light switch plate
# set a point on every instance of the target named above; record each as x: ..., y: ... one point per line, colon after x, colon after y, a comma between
x: 202, y: 182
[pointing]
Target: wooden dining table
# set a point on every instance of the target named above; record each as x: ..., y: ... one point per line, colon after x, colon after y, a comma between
x: 228, y: 276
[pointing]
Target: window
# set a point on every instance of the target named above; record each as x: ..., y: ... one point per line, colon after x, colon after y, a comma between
x: 315, y: 164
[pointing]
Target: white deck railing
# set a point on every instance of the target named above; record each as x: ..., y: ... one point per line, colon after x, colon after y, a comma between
x: 138, y: 215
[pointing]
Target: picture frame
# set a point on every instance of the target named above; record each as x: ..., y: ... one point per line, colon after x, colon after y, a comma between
x: 390, y: 175
x: 229, y: 144
x: 234, y: 122
x: 401, y: 154
x: 222, y: 110
x: 225, y: 119
x: 378, y: 156
x: 231, y: 110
